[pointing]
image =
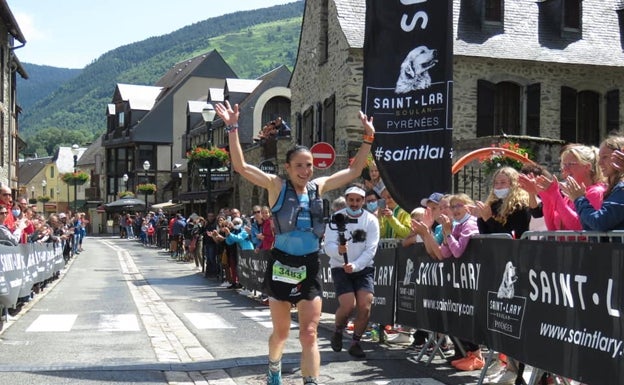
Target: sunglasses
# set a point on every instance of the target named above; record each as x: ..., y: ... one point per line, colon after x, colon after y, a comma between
x: 256, y: 212
x: 3, y: 212
x: 6, y: 194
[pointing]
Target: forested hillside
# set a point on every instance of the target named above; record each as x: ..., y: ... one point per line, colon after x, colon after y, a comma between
x: 252, y: 42
x: 42, y: 81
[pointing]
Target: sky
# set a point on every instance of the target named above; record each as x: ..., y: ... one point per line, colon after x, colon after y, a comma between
x: 74, y: 33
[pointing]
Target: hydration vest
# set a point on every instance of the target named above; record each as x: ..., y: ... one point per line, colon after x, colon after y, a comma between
x: 287, y: 208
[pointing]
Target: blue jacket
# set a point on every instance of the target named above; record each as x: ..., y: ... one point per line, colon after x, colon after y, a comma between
x: 609, y: 217
x: 241, y: 238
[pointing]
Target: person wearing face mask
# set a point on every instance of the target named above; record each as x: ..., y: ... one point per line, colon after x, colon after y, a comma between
x: 353, y: 275
x: 236, y: 235
x: 457, y: 232
x: 372, y: 202
x: 506, y: 209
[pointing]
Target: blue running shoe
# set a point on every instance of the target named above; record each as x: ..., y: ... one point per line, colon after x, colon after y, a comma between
x: 274, y: 378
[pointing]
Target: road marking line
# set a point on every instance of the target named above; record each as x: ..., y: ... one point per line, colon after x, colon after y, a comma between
x: 118, y: 323
x: 263, y: 317
x: 208, y: 321
x: 53, y: 323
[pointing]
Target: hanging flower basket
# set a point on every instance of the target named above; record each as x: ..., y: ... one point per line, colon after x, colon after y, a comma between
x: 126, y: 194
x: 75, y: 178
x: 146, y: 188
x: 208, y: 157
x: 497, y: 159
x: 43, y: 199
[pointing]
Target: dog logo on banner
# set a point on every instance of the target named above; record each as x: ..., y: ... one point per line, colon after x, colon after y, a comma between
x: 409, y: 269
x: 415, y: 68
x: 506, y: 288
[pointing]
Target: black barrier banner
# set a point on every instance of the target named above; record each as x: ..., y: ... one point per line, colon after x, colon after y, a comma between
x: 554, y: 305
x: 382, y: 311
x: 408, y: 80
x: 24, y: 265
x: 251, y: 267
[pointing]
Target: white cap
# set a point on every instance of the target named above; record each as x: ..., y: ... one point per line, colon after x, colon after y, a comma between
x: 355, y: 190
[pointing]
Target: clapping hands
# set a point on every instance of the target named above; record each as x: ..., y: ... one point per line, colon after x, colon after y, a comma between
x: 572, y: 189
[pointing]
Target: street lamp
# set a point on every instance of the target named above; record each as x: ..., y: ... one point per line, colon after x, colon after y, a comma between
x: 208, y: 114
x: 32, y: 190
x: 75, y: 149
x: 146, y: 167
x: 125, y: 179
x: 44, y: 183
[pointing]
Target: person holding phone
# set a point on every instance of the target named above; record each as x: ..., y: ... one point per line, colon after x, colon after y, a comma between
x: 394, y: 222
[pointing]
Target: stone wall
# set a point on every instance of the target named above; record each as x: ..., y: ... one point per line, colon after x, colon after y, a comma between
x: 551, y: 76
x: 341, y: 76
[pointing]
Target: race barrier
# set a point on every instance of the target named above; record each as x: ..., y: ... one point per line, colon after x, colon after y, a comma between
x: 554, y: 305
x: 25, y: 265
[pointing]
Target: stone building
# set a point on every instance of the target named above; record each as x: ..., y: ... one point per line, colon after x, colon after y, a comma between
x: 10, y: 67
x: 541, y: 73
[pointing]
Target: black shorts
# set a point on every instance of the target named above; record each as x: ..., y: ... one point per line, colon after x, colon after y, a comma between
x: 354, y: 282
x: 297, y: 289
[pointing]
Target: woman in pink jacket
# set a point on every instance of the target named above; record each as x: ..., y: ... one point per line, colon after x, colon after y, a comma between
x: 580, y: 162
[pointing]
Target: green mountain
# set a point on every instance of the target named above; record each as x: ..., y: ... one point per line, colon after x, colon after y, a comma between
x: 251, y: 42
x: 42, y: 81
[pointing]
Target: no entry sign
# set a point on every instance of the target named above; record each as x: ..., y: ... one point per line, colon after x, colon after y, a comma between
x: 323, y: 155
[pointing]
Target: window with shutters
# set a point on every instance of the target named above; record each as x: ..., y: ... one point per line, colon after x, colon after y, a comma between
x: 500, y: 108
x: 613, y: 111
x: 329, y: 120
x: 323, y: 44
x: 307, y: 127
x: 493, y: 11
x: 580, y: 116
x: 572, y: 12
x: 318, y: 132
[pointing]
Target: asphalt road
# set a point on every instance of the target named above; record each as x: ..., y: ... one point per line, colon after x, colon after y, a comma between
x: 125, y: 314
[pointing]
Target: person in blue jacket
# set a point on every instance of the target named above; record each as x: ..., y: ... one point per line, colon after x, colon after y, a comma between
x: 237, y: 235
x: 610, y: 216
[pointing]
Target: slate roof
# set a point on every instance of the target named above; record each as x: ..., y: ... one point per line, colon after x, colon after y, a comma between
x: 64, y: 159
x: 29, y: 168
x: 351, y: 14
x: 245, y: 86
x: 215, y: 95
x: 180, y: 71
x: 139, y: 97
x: 208, y: 65
x: 88, y: 156
x: 600, y: 43
x: 9, y: 21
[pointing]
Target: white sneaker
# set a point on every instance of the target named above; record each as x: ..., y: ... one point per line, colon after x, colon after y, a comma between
x: 503, y: 377
x: 225, y: 284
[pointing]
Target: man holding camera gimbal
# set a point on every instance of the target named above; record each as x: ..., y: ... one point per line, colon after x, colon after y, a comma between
x: 351, y: 240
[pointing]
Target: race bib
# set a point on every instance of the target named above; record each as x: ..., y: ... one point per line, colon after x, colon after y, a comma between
x: 288, y: 274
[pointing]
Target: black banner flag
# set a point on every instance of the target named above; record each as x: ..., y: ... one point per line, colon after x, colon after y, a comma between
x: 408, y: 62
